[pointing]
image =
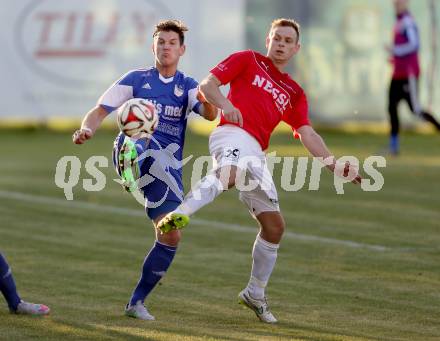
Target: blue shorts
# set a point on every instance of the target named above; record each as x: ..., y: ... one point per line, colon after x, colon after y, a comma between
x: 163, y: 189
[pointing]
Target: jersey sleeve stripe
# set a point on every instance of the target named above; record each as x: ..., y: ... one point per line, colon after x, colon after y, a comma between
x: 116, y: 95
x: 192, y: 98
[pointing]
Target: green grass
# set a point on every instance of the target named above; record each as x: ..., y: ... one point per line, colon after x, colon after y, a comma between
x: 83, y: 261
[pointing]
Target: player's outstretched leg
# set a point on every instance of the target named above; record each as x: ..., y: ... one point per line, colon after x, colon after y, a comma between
x: 9, y: 291
x: 203, y: 193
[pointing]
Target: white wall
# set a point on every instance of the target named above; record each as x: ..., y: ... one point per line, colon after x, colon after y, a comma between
x: 58, y: 56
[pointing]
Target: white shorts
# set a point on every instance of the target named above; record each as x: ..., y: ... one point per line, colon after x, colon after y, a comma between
x: 231, y: 145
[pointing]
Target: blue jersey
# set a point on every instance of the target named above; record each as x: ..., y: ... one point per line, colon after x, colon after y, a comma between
x: 174, y: 99
x: 160, y: 158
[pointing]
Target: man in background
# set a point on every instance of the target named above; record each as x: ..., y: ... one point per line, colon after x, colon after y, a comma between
x: 405, y: 79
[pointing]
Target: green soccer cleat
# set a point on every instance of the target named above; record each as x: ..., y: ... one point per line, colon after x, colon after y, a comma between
x: 173, y: 221
x: 128, y: 165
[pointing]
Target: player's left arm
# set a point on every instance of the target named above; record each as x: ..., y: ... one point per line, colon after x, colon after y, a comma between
x: 298, y: 119
x: 314, y: 143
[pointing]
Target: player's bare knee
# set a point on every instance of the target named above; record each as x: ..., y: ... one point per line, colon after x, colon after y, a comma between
x: 280, y: 227
x: 272, y: 234
x: 276, y: 229
x: 171, y: 238
x: 272, y: 226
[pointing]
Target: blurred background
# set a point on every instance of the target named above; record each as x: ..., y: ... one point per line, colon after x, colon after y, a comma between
x: 59, y: 55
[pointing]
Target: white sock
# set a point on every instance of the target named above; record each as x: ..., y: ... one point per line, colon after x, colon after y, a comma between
x: 203, y: 193
x: 264, y: 255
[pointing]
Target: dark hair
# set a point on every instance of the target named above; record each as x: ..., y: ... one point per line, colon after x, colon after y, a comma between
x: 172, y: 25
x: 286, y: 22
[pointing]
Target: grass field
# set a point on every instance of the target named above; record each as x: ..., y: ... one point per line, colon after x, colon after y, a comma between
x: 359, y: 266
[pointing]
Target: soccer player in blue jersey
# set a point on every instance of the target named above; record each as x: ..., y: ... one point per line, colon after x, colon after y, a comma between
x: 159, y: 160
x: 8, y: 289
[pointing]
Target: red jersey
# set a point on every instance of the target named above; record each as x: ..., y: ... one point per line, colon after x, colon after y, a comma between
x: 406, y: 58
x: 264, y: 95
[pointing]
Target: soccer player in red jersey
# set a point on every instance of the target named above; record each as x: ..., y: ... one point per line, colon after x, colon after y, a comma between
x: 260, y: 96
x: 406, y: 71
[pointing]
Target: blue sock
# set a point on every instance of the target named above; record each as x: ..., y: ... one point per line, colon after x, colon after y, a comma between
x: 394, y: 144
x: 155, y: 265
x: 7, y: 285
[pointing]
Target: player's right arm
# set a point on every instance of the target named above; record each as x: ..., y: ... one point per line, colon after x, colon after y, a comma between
x: 89, y: 125
x: 118, y: 93
x: 225, y: 72
x: 210, y: 89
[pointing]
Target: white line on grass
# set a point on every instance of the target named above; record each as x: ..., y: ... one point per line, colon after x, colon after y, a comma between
x: 38, y: 199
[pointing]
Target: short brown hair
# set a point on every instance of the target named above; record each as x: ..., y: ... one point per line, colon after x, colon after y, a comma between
x: 171, y: 25
x: 286, y: 22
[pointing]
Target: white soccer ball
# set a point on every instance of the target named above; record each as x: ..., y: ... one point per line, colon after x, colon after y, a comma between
x: 137, y: 118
